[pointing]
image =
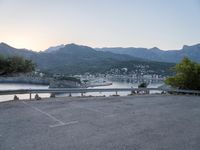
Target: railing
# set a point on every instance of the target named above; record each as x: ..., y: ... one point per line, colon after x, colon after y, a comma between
x: 86, y: 90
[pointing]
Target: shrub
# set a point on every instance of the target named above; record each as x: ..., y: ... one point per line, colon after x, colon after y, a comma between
x: 187, y: 75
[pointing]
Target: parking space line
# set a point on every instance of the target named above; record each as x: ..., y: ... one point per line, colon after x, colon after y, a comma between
x: 59, y: 122
x: 64, y: 124
x: 45, y: 113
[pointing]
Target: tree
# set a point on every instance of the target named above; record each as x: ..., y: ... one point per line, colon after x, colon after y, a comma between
x: 2, y: 64
x: 143, y: 85
x: 15, y: 64
x: 187, y: 75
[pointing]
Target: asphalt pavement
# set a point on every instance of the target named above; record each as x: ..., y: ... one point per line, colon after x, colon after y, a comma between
x: 152, y: 122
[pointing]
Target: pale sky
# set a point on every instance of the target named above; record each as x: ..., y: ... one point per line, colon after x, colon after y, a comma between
x: 38, y: 24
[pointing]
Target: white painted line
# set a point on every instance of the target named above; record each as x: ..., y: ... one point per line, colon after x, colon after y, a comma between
x: 59, y: 122
x: 45, y: 113
x: 64, y: 124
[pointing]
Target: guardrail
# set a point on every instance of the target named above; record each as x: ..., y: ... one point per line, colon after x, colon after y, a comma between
x: 86, y: 90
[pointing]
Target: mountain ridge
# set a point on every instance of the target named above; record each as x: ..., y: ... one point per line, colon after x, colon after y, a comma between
x: 78, y: 59
x: 156, y: 54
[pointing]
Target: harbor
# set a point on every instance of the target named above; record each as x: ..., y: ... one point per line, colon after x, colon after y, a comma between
x: 15, y: 86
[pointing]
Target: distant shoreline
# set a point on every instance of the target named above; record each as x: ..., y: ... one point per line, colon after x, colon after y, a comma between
x: 25, y: 80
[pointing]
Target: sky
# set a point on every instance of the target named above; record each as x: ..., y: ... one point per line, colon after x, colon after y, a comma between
x: 39, y: 24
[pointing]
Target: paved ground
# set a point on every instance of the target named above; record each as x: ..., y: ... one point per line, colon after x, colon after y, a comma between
x: 117, y: 123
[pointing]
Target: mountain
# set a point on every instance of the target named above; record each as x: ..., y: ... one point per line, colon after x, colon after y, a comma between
x: 156, y: 54
x: 8, y: 50
x: 54, y: 48
x: 78, y: 59
x: 74, y: 58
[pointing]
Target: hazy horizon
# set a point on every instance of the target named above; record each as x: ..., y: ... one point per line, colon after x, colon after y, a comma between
x: 37, y: 25
x: 51, y: 46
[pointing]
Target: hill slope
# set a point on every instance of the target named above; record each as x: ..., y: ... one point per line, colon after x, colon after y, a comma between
x: 155, y: 54
x: 77, y: 59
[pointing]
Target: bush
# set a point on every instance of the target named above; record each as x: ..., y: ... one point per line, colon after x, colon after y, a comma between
x: 143, y: 85
x: 15, y: 64
x: 187, y: 75
x: 70, y: 79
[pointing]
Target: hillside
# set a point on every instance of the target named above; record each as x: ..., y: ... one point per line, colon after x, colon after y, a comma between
x: 156, y: 54
x: 77, y: 59
x: 8, y: 50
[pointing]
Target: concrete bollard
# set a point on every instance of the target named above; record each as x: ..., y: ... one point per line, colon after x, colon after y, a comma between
x: 16, y: 98
x: 37, y: 97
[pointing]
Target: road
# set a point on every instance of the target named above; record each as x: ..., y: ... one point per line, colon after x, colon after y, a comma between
x: 152, y: 122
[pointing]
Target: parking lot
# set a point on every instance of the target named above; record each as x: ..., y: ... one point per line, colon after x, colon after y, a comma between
x: 151, y: 122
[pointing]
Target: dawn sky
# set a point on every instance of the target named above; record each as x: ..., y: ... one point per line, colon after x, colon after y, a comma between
x: 38, y: 24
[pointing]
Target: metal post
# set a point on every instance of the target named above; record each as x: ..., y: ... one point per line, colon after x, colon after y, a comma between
x: 132, y: 92
x: 30, y: 96
x: 70, y: 94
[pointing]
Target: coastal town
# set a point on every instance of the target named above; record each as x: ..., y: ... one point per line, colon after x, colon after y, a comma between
x: 100, y: 75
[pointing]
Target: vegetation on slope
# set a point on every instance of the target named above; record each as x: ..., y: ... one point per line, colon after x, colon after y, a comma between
x: 187, y: 75
x: 15, y: 64
x: 66, y: 78
x: 76, y: 59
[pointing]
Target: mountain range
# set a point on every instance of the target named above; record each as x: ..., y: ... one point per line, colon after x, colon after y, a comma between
x: 156, y: 54
x: 77, y: 59
x: 69, y: 58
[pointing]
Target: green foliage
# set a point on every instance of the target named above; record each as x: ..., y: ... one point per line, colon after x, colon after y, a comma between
x: 69, y: 79
x: 187, y: 75
x: 15, y: 64
x: 85, y: 81
x: 2, y: 64
x: 142, y: 85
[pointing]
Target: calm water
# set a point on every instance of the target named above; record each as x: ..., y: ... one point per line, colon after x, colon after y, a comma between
x: 9, y: 86
x: 115, y: 85
x: 31, y: 86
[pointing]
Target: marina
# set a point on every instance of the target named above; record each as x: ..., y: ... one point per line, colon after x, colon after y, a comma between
x: 15, y: 86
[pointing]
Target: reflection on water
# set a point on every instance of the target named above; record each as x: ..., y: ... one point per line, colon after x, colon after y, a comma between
x: 31, y: 86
